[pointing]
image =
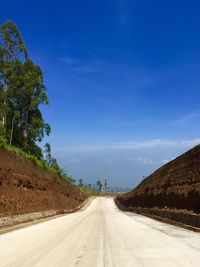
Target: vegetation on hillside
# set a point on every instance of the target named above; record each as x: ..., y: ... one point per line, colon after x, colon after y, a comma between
x: 22, y: 92
x: 40, y: 162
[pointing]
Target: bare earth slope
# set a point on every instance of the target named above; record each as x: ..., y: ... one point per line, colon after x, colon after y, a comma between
x: 25, y: 187
x: 175, y: 185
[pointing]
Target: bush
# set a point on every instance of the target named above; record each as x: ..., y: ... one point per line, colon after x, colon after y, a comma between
x: 27, y: 156
x: 54, y: 167
x: 2, y: 142
x: 87, y: 191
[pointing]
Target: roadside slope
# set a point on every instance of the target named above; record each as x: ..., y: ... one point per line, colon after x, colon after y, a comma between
x: 26, y: 187
x: 175, y: 185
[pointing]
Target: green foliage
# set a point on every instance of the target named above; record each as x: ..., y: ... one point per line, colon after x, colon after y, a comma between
x: 88, y: 191
x: 99, y: 185
x: 22, y: 91
x: 47, y: 153
x: 12, y: 41
x: 52, y: 168
x: 80, y: 182
x: 2, y: 141
x: 23, y: 154
x: 42, y: 163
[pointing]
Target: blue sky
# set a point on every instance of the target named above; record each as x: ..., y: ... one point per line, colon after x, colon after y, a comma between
x: 123, y: 79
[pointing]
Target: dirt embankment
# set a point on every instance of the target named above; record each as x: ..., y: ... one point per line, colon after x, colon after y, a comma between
x: 25, y: 187
x: 173, y: 187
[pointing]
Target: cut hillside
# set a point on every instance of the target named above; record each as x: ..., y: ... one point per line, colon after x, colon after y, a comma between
x: 26, y: 187
x: 174, y: 186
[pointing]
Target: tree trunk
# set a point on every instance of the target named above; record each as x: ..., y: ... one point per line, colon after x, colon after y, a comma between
x: 11, y: 132
x: 25, y: 132
x: 4, y: 102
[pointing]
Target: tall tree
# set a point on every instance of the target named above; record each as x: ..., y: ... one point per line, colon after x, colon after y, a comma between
x: 28, y: 94
x: 47, y: 154
x: 22, y: 91
x: 12, y: 47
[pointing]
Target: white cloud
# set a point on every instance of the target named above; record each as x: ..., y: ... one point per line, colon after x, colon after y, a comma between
x: 165, y: 161
x: 131, y: 145
x: 140, y: 160
x: 142, y: 144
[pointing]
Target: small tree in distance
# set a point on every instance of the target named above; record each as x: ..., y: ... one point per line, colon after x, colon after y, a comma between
x: 80, y: 182
x: 99, y: 185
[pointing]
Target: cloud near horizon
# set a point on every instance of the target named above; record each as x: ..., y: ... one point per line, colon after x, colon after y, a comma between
x: 128, y: 145
x: 125, y: 162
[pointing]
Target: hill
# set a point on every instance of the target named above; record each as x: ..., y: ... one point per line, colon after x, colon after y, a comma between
x: 26, y: 187
x: 175, y: 185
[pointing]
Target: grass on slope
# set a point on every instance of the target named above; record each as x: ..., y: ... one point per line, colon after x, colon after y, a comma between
x: 34, y: 159
x: 85, y: 190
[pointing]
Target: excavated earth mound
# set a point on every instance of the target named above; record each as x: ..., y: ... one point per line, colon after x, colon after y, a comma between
x: 25, y: 187
x: 174, y: 186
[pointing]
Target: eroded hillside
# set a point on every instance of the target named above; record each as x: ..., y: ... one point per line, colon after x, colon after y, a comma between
x: 175, y: 185
x: 26, y: 187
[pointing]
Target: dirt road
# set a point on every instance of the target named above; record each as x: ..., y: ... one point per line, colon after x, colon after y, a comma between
x: 100, y: 235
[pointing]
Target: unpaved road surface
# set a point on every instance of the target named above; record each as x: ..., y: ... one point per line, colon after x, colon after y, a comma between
x: 100, y: 235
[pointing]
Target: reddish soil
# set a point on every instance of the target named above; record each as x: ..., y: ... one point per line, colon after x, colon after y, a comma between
x: 175, y: 185
x: 25, y: 187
